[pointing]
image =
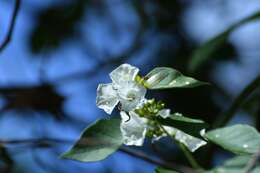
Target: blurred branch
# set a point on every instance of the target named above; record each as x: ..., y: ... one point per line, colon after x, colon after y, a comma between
x: 136, y: 44
x: 8, y: 37
x: 6, y: 159
x: 252, y: 163
x: 226, y: 117
x: 162, y: 163
x: 44, y: 166
x: 89, y: 73
x: 47, y: 142
x: 110, y: 61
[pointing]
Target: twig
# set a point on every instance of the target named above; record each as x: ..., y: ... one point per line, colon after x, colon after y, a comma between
x: 86, y: 74
x: 147, y: 158
x: 252, y: 163
x: 43, y: 142
x: 187, y: 154
x: 8, y: 36
x: 228, y: 115
x: 126, y: 54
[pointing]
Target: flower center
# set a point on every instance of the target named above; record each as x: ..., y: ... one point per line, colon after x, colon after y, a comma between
x: 130, y: 96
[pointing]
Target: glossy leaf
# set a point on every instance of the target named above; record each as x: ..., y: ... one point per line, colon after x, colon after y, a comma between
x: 185, y: 124
x: 165, y: 77
x: 205, y: 52
x: 161, y: 170
x: 234, y: 165
x: 97, y: 142
x: 239, y: 139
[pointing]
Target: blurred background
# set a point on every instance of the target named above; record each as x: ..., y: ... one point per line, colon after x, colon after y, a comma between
x: 60, y: 51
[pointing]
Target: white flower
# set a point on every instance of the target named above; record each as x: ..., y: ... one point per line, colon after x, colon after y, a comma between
x: 164, y: 113
x: 191, y: 142
x: 133, y: 128
x: 123, y: 89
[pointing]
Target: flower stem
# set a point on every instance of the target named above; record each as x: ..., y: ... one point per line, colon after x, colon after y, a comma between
x: 187, y: 154
x: 231, y: 112
x: 189, y: 157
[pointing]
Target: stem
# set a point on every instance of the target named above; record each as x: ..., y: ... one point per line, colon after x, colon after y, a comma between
x: 161, y: 163
x: 189, y: 157
x: 229, y: 114
x: 252, y: 163
x: 44, y: 142
x: 8, y: 36
x: 187, y: 154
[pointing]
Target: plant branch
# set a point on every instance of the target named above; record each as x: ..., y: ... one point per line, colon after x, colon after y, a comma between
x: 189, y: 157
x: 47, y: 142
x: 161, y: 163
x: 187, y: 154
x: 8, y: 36
x: 229, y: 114
x: 252, y: 163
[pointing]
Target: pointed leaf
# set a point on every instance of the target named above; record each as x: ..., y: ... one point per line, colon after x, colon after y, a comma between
x: 185, y: 124
x: 204, y: 53
x: 97, y: 142
x: 165, y: 77
x: 239, y: 139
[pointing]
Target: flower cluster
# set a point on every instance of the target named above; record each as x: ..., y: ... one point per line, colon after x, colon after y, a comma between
x: 138, y: 114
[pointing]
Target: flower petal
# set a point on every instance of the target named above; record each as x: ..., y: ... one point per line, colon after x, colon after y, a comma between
x: 131, y: 95
x: 123, y: 73
x: 164, y: 113
x: 106, y: 97
x: 191, y: 142
x: 133, y: 128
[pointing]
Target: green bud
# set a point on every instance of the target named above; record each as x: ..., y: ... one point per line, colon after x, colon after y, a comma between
x: 151, y: 101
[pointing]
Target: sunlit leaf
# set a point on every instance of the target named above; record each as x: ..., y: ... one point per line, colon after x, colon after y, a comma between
x: 185, y: 124
x: 161, y: 170
x: 97, y: 142
x: 165, y: 77
x: 206, y: 51
x: 239, y: 139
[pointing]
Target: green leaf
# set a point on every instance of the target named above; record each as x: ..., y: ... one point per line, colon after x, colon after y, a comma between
x: 161, y: 170
x: 239, y: 139
x: 165, y: 77
x: 234, y: 165
x: 205, y: 52
x: 4, y: 156
x: 185, y: 124
x: 97, y: 142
